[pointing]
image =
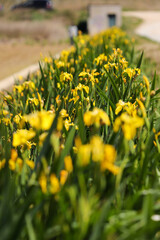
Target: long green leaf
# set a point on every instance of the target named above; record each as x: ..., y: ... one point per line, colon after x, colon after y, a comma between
x: 68, y: 146
x: 82, y: 130
x: 102, y: 94
x: 115, y: 88
x: 154, y: 81
x: 140, y: 60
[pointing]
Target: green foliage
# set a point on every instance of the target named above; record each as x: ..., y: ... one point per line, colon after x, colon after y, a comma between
x: 79, y: 146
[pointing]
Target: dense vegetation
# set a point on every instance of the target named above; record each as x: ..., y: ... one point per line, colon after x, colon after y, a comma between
x: 79, y: 146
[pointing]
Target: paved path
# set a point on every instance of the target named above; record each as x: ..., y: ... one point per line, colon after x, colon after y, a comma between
x: 150, y: 27
x: 6, y: 83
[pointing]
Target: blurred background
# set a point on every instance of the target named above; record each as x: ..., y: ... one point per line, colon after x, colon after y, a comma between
x: 31, y: 27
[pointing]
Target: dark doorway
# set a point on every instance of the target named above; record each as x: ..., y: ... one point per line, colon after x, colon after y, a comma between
x: 82, y: 26
x: 111, y: 20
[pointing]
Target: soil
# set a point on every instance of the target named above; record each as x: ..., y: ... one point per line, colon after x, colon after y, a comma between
x: 15, y: 56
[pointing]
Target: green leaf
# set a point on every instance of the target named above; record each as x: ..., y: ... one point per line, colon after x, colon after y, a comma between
x: 154, y: 81
x: 132, y: 55
x: 82, y: 130
x: 102, y: 94
x: 30, y: 228
x: 66, y: 150
x: 115, y: 88
x: 140, y: 60
x: 97, y: 229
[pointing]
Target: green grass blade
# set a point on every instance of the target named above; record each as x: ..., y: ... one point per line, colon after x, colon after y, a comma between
x: 102, y: 94
x: 154, y: 81
x: 117, y: 94
x: 140, y: 60
x: 66, y: 150
x: 82, y: 131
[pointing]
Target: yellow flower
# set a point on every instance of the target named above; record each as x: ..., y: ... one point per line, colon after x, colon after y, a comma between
x: 105, y: 154
x: 83, y: 74
x: 75, y: 99
x: 100, y: 59
x: 80, y: 87
x: 14, y: 154
x: 129, y: 124
x: 12, y: 164
x: 30, y: 163
x: 84, y: 154
x: 7, y: 97
x: 19, y: 88
x: 19, y: 163
x: 22, y: 136
x: 78, y: 142
x: 132, y: 72
x: 109, y: 166
x: 128, y: 107
x: 68, y: 164
x: 63, y: 177
x: 109, y: 153
x: 43, y: 182
x: 97, y: 117
x: 5, y: 112
x: 88, y: 77
x: 41, y: 120
x: 59, y: 64
x: 65, y: 77
x: 97, y: 149
x: 147, y: 83
x: 2, y: 163
x: 68, y: 123
x: 129, y: 131
x: 42, y: 137
x: 63, y: 113
x: 17, y: 118
x: 35, y: 101
x: 55, y: 186
x: 141, y: 107
x: 6, y: 121
x: 109, y: 159
x: 58, y: 101
x: 59, y: 123
x: 119, y: 106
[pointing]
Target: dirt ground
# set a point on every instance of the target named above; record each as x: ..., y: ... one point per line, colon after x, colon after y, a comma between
x: 22, y: 42
x: 15, y: 56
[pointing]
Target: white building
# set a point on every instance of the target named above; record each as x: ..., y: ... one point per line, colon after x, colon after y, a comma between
x: 103, y: 16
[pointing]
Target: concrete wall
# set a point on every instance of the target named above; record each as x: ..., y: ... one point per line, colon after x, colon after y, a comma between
x: 98, y: 17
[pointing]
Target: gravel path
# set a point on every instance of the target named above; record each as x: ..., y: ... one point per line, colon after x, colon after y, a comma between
x: 150, y: 27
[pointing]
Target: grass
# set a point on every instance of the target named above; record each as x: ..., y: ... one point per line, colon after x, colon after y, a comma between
x: 129, y: 24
